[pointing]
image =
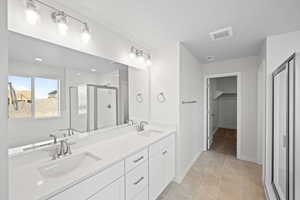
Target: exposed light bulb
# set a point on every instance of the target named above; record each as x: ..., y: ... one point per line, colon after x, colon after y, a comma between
x: 141, y: 59
x: 85, y: 35
x: 60, y: 18
x: 132, y: 55
x: 148, y: 62
x: 32, y: 16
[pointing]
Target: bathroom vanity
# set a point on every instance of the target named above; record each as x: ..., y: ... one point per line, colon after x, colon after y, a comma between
x: 117, y: 164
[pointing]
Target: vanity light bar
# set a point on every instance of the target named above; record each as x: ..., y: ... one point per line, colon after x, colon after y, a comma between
x: 60, y: 17
x: 141, y: 55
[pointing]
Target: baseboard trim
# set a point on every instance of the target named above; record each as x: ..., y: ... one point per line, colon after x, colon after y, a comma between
x: 245, y: 158
x: 180, y: 178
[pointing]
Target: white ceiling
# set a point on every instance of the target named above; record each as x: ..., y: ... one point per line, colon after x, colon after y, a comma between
x: 155, y: 22
x: 26, y: 49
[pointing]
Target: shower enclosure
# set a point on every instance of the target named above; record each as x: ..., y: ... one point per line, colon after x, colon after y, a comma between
x: 94, y: 107
x: 285, y: 128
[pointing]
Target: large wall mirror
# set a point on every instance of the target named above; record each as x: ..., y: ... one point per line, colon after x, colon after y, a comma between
x: 55, y: 89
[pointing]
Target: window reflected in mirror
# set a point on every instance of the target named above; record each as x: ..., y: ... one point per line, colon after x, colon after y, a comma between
x: 19, y: 97
x: 46, y: 97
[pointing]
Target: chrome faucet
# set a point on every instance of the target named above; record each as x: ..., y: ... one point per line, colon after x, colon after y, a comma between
x: 64, y: 148
x: 141, y: 126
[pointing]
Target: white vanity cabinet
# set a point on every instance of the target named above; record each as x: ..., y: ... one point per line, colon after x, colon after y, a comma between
x: 161, y: 166
x: 142, y: 176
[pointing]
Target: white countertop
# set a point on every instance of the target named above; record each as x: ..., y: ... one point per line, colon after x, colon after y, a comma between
x: 26, y: 183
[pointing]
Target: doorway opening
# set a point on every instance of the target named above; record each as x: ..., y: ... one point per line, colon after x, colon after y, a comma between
x: 222, y: 114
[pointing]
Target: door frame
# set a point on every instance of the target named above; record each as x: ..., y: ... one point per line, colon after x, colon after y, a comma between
x: 239, y: 110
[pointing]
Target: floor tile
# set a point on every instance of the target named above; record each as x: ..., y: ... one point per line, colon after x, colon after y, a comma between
x: 218, y: 175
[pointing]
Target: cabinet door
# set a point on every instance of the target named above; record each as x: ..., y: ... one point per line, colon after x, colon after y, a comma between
x: 161, y: 168
x: 168, y: 159
x: 114, y: 191
x: 143, y: 195
x: 156, y: 176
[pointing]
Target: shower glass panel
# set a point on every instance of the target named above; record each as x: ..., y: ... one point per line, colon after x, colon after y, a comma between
x: 280, y: 134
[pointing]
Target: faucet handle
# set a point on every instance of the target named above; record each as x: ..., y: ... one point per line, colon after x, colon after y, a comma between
x: 131, y: 122
x: 143, y: 123
x: 54, y: 138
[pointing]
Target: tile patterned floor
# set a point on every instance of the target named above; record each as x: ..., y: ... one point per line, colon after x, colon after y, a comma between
x: 218, y: 175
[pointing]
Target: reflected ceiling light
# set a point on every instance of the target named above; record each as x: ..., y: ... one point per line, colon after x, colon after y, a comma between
x: 93, y: 70
x: 60, y: 18
x: 32, y: 15
x: 86, y: 34
x: 38, y: 59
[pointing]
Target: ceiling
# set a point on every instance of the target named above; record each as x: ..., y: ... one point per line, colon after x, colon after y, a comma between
x: 56, y: 56
x: 156, y: 22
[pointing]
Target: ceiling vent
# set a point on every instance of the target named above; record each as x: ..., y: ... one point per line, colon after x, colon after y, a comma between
x: 221, y: 34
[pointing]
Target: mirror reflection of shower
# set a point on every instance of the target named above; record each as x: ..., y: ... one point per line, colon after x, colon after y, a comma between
x: 94, y: 107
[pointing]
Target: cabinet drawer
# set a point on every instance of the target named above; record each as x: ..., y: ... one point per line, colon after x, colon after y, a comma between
x: 136, y: 160
x: 163, y: 146
x: 92, y: 185
x: 136, y: 180
x: 142, y: 195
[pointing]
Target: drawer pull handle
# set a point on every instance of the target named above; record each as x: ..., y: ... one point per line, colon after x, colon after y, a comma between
x: 165, y: 152
x: 138, y: 181
x: 139, y: 159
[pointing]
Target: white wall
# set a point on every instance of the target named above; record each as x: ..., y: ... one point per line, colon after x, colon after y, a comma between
x: 278, y: 49
x: 164, y: 75
x: 261, y: 106
x: 3, y: 100
x: 247, y: 67
x: 190, y: 138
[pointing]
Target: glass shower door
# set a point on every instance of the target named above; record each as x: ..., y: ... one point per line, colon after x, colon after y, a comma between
x: 280, y: 134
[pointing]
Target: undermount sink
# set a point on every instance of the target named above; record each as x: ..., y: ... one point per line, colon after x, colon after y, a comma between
x: 150, y: 132
x: 62, y: 167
